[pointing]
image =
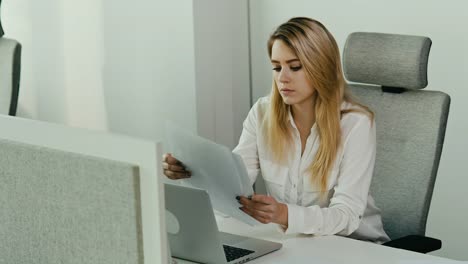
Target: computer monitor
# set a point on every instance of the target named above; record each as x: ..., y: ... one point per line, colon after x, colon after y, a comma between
x: 101, y: 145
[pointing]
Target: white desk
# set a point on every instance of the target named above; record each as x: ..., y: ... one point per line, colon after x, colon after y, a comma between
x: 326, y: 249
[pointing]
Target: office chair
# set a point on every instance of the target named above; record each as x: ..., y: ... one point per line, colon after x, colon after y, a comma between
x: 391, y: 70
x: 10, y: 66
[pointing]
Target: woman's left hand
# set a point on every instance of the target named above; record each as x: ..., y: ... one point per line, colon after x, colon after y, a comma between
x: 265, y: 209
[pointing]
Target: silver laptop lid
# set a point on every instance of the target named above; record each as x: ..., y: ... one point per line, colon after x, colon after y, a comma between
x: 193, y: 231
x: 191, y: 225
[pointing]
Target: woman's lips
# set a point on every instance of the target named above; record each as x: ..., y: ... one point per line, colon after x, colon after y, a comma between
x: 286, y: 91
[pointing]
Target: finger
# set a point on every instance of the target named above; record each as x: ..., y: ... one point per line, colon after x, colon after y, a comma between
x: 176, y: 168
x: 260, y: 216
x: 246, y: 210
x: 173, y: 161
x: 249, y: 203
x: 262, y: 207
x: 255, y: 213
x: 182, y: 175
x: 169, y: 174
x: 245, y: 201
x: 166, y: 156
x: 263, y: 215
x: 265, y: 199
x: 176, y: 175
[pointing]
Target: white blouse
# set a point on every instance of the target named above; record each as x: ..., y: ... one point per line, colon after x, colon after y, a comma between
x: 348, y: 209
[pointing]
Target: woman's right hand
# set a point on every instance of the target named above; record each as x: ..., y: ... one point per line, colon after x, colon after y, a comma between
x: 173, y: 168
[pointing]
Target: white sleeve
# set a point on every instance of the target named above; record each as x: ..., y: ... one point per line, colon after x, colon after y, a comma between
x: 247, y: 147
x: 346, y: 208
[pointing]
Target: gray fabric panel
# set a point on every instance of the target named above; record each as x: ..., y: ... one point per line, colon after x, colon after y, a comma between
x: 387, y: 59
x: 60, y: 207
x: 9, y: 73
x: 410, y: 135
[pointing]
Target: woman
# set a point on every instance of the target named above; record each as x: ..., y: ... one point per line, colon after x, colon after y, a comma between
x: 314, y: 145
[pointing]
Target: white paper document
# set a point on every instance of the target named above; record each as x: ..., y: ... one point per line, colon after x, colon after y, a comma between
x: 214, y: 168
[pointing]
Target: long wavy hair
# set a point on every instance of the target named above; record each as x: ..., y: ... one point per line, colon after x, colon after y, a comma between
x: 319, y: 55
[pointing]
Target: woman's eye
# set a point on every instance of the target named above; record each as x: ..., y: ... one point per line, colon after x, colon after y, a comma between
x: 277, y: 69
x: 296, y: 68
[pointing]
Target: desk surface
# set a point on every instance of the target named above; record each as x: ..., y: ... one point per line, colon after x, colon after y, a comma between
x: 324, y: 249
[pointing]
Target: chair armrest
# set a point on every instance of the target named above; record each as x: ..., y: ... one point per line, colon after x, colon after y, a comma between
x: 415, y: 243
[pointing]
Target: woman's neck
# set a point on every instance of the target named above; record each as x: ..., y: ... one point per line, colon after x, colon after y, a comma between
x: 304, y: 115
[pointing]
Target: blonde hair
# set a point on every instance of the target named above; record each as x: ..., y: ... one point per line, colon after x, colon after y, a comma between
x: 319, y: 55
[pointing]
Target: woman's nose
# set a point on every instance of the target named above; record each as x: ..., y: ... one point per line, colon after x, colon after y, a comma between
x: 283, y: 75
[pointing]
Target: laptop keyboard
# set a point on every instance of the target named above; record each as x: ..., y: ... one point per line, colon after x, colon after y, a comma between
x: 233, y: 253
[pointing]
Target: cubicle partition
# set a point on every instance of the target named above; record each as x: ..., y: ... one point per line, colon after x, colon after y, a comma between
x: 64, y: 207
x: 71, y: 195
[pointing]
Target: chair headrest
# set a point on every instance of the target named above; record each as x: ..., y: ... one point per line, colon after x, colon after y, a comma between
x: 388, y: 60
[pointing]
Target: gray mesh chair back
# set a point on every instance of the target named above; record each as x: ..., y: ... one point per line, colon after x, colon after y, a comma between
x: 391, y: 70
x: 10, y: 66
x: 1, y: 28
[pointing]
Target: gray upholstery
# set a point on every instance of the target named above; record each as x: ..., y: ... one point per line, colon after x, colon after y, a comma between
x: 387, y: 59
x: 410, y: 134
x: 410, y: 128
x: 1, y: 28
x: 10, y: 68
x: 60, y: 207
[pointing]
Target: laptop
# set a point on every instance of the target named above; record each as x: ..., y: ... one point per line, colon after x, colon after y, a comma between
x: 194, y: 234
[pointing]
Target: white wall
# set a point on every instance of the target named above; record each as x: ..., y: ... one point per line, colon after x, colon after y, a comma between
x: 114, y: 65
x: 106, y: 64
x: 60, y: 75
x: 446, y: 23
x: 149, y: 61
x: 222, y: 68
